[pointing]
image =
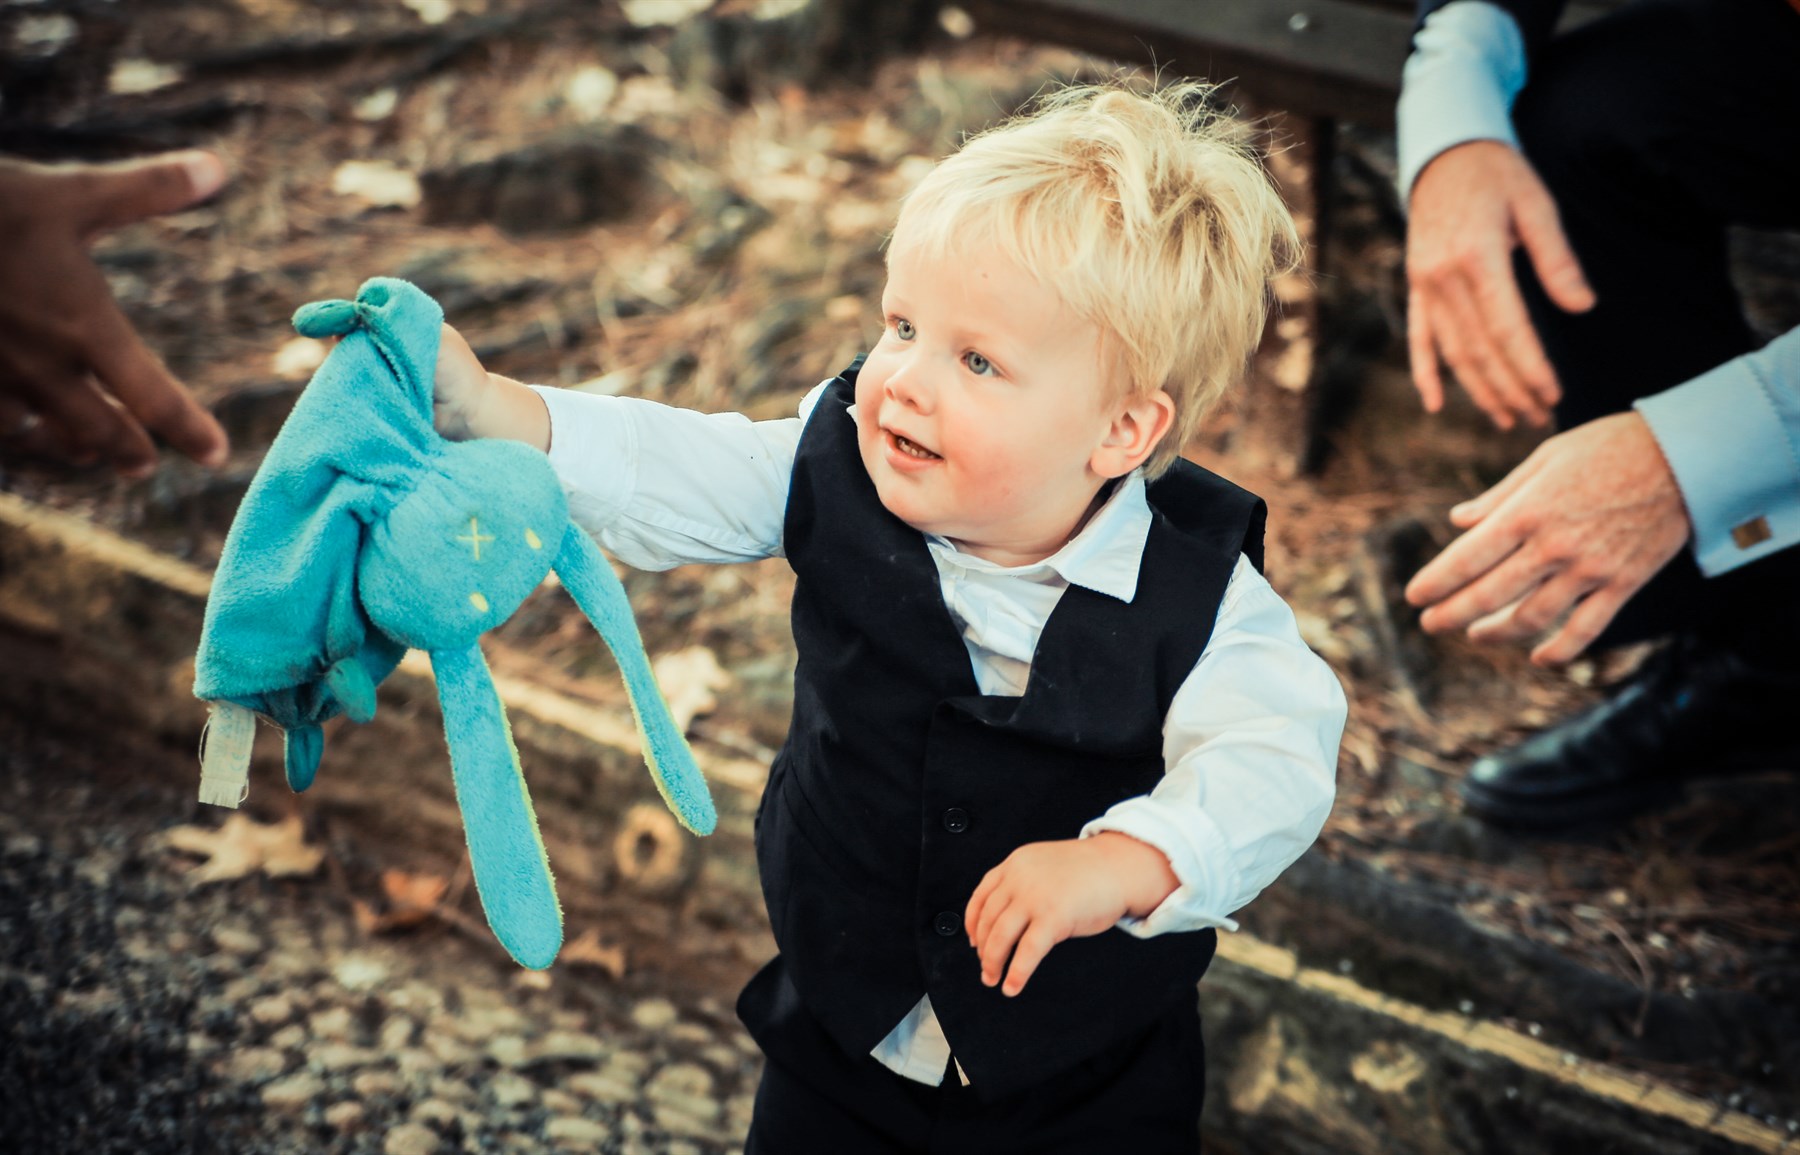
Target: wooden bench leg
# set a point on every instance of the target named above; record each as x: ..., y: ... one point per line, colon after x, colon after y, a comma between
x: 1279, y: 422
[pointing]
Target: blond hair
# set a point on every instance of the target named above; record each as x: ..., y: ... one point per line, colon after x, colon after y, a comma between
x: 1145, y: 211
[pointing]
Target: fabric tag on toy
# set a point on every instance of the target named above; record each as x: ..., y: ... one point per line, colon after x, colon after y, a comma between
x: 225, y: 754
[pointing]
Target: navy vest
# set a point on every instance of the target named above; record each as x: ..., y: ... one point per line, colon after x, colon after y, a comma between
x: 901, y: 784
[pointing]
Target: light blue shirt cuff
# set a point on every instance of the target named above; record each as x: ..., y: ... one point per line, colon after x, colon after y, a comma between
x: 1466, y: 68
x: 1732, y: 438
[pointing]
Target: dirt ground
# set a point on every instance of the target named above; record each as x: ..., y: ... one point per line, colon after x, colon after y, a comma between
x: 147, y: 1012
x: 735, y: 261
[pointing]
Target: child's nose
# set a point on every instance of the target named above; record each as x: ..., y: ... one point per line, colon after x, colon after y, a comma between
x: 909, y: 386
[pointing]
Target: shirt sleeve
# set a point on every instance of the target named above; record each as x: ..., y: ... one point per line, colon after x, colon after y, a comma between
x: 1466, y: 68
x: 1732, y: 438
x: 659, y: 486
x: 1250, y: 748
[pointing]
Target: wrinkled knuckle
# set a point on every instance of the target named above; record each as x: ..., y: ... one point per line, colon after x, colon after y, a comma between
x: 1537, y: 551
x: 1559, y: 546
x: 1594, y: 571
x: 1438, y: 275
x: 1424, y: 267
x: 1478, y: 603
x: 1467, y: 259
x: 1534, y: 617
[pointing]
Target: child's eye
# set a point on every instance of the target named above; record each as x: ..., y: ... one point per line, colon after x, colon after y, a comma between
x: 904, y: 330
x: 979, y: 365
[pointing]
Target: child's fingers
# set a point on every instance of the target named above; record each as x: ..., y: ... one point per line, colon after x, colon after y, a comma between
x: 997, y: 944
x: 977, y: 903
x: 1033, y: 946
x: 987, y: 932
x: 995, y: 905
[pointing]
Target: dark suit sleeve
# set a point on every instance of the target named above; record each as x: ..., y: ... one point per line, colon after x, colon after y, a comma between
x: 1536, y: 18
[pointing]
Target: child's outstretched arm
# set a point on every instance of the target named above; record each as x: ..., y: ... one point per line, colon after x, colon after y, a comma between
x: 656, y: 485
x: 470, y: 402
x: 1046, y: 892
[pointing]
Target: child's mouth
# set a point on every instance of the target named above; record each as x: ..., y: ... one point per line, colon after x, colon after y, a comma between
x: 912, y: 448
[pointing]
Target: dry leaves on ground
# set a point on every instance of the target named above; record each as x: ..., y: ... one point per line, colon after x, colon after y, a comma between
x: 411, y: 900
x: 243, y: 846
x: 588, y: 950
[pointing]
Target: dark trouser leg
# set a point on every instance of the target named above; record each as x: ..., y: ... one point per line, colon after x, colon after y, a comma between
x: 1143, y: 1096
x: 815, y: 1098
x: 1656, y: 128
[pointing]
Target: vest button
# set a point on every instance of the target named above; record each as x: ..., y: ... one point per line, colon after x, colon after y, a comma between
x: 947, y: 923
x: 956, y: 820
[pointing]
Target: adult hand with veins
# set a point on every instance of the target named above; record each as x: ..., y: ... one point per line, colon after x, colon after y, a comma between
x: 1576, y: 529
x: 1467, y: 211
x: 76, y: 380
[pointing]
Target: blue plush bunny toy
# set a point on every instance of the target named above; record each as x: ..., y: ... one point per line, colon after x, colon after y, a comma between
x: 365, y: 533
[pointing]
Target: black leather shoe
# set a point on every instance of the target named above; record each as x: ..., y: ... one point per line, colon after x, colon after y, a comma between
x: 1694, y: 711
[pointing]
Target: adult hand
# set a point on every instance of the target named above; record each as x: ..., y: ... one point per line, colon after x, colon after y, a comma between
x: 1577, y: 528
x: 76, y: 381
x: 1469, y: 208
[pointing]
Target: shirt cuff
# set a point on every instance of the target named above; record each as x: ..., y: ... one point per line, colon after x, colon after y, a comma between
x: 1466, y: 68
x: 1193, y: 905
x: 593, y: 449
x: 1732, y: 450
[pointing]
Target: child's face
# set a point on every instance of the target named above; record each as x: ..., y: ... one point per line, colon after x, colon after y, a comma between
x: 983, y: 412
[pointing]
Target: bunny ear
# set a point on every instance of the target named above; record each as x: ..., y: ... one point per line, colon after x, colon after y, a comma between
x: 512, y: 872
x: 351, y: 685
x: 305, y: 746
x: 596, y: 589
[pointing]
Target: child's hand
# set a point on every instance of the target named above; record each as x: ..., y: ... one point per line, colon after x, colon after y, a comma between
x: 459, y: 387
x: 1046, y: 892
x: 468, y: 401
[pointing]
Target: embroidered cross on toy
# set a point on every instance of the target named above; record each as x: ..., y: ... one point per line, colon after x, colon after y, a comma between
x: 365, y: 533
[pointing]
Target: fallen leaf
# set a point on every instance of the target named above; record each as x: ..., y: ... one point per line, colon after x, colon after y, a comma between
x: 588, y: 951
x: 411, y: 899
x: 431, y: 11
x: 135, y: 77
x: 651, y: 13
x: 378, y: 105
x: 687, y: 679
x: 45, y: 35
x: 377, y: 183
x: 590, y: 90
x: 956, y: 22
x: 243, y: 846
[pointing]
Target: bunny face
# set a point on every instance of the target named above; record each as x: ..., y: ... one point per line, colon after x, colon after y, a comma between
x: 459, y: 553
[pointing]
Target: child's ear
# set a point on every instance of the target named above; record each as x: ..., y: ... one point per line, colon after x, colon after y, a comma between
x: 1138, y: 425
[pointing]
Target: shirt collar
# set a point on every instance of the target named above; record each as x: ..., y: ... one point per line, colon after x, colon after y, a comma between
x: 1104, y: 557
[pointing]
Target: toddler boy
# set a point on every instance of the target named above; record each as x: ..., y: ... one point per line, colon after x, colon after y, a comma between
x: 1051, y: 725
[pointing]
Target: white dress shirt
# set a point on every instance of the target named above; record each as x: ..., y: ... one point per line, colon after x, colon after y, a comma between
x: 1250, y: 740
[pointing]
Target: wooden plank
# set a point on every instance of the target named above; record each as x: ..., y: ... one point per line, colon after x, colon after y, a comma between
x: 1318, y: 57
x: 1336, y: 58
